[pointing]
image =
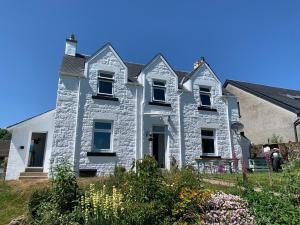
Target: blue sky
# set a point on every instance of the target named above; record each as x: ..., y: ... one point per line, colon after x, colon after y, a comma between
x: 254, y: 41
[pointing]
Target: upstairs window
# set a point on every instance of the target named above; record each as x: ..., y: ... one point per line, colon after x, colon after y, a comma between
x: 105, y: 83
x: 159, y: 91
x: 205, y: 96
x: 102, y: 136
x: 208, y: 142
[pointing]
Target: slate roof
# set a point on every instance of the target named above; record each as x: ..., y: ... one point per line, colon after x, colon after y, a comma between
x: 74, y: 65
x: 285, y: 98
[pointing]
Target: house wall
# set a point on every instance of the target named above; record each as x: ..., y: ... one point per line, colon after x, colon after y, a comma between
x: 194, y: 120
x: 65, y: 122
x: 159, y: 70
x: 122, y: 113
x: 262, y: 119
x: 21, y: 136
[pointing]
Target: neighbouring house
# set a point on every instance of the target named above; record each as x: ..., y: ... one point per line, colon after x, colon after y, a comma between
x: 110, y: 112
x: 267, y: 111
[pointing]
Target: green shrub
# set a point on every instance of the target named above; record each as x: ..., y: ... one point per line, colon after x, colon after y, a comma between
x: 38, y: 197
x: 58, y: 204
x: 269, y: 208
x: 65, y: 191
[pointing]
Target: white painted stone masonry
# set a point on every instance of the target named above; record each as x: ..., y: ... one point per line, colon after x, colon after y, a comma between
x: 133, y: 117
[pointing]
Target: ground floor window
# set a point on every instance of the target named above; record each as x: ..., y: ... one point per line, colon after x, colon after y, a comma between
x: 208, y: 142
x: 102, y: 136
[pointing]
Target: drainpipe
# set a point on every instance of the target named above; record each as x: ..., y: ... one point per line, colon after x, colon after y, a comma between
x: 77, y: 139
x: 296, y: 123
x: 180, y: 131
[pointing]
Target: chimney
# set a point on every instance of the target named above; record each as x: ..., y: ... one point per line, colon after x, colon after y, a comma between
x: 198, y: 63
x: 71, y: 45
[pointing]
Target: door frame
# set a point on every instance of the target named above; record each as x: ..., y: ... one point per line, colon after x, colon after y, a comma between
x: 165, y: 140
x: 28, y: 148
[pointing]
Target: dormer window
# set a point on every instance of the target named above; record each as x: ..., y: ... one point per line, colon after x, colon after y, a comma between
x: 105, y: 83
x: 205, y: 96
x: 159, y: 91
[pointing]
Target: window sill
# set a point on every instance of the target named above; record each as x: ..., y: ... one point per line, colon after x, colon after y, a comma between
x: 207, y: 108
x: 101, y: 154
x: 105, y: 97
x: 160, y: 104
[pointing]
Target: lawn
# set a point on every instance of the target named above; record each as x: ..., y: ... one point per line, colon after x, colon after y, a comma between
x: 257, y: 179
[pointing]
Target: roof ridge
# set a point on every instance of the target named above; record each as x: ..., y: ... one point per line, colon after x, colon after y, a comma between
x: 265, y: 85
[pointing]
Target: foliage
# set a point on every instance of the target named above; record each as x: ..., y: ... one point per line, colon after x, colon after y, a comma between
x: 276, y: 139
x: 227, y: 209
x: 190, y: 206
x: 5, y: 134
x: 59, y: 207
x: 36, y: 199
x: 292, y: 186
x: 269, y: 208
x: 99, y: 207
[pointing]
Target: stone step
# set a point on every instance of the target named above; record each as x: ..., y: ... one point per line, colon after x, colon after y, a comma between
x: 34, y: 169
x: 35, y: 174
x: 32, y: 178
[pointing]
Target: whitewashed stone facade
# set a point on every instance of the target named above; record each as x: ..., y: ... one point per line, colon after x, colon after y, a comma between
x: 133, y: 115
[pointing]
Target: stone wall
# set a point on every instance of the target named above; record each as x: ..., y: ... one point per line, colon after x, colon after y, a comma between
x: 290, y: 150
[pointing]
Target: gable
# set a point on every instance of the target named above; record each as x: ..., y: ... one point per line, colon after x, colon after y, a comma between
x: 109, y: 59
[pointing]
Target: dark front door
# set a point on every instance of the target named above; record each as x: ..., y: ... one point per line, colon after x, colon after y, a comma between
x: 159, y: 151
x: 37, y: 149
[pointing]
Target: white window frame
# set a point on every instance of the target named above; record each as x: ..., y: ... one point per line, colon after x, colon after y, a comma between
x: 209, y: 137
x: 94, y: 149
x: 107, y: 80
x: 155, y: 86
x: 205, y: 93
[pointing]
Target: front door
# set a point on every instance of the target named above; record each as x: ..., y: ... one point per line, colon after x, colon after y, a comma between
x: 158, y: 147
x: 37, y: 149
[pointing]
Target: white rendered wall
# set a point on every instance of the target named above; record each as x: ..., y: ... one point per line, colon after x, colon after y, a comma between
x: 21, y: 136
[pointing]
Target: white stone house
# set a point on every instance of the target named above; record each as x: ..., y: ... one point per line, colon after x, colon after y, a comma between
x: 110, y: 112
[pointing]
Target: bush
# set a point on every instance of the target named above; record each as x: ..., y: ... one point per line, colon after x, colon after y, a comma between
x: 37, y: 198
x: 269, y: 208
x: 58, y: 204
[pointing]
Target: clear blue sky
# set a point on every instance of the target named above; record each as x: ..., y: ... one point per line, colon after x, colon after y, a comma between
x: 254, y: 41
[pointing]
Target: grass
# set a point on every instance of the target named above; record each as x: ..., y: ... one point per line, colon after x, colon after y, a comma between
x: 13, y: 198
x: 257, y: 179
x: 15, y: 194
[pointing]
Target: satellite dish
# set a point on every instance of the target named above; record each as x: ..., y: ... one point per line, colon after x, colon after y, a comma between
x: 237, y: 127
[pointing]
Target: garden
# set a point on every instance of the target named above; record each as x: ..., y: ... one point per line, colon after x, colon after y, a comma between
x: 148, y: 195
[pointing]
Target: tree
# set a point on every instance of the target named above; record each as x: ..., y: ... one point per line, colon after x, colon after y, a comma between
x: 5, y: 134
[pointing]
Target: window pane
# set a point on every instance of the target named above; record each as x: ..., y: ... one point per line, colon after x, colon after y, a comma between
x: 159, y: 94
x: 101, y: 140
x: 205, y: 99
x: 204, y: 89
x: 159, y: 83
x: 105, y: 87
x: 158, y: 129
x: 207, y: 133
x: 101, y: 125
x: 208, y: 145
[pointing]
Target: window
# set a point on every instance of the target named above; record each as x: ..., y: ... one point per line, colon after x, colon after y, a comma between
x: 205, y: 96
x: 208, y: 142
x: 159, y: 91
x: 102, y: 136
x: 105, y: 83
